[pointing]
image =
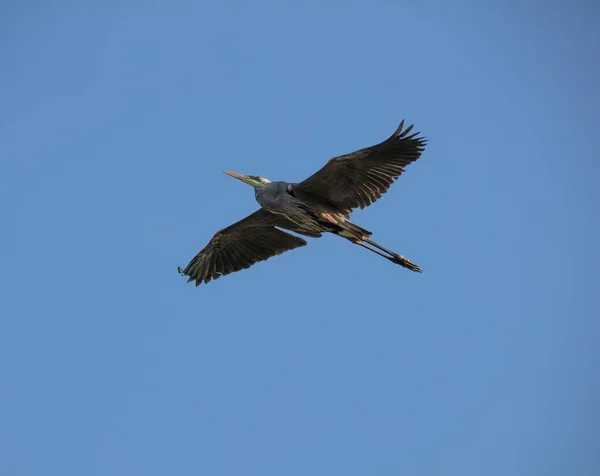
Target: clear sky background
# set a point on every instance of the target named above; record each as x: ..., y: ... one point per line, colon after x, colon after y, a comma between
x: 116, y: 122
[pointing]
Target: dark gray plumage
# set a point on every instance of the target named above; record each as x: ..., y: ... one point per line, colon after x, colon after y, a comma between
x: 321, y: 203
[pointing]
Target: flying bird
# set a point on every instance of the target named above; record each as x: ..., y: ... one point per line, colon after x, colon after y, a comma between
x: 320, y: 204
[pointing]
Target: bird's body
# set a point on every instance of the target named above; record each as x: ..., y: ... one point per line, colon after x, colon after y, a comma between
x: 306, y: 211
x: 320, y: 204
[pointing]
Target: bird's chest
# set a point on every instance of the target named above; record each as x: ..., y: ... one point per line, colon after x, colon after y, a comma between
x: 270, y: 200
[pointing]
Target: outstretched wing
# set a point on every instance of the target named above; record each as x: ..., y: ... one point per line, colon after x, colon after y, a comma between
x: 243, y: 244
x: 362, y: 177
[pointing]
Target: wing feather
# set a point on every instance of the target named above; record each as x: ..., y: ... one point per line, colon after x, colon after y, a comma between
x: 243, y: 244
x: 362, y: 177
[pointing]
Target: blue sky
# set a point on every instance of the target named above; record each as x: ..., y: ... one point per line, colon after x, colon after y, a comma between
x: 116, y: 123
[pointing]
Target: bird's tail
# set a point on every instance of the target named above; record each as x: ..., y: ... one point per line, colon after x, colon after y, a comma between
x: 353, y: 232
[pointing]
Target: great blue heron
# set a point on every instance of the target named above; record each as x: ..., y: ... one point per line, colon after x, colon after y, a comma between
x: 321, y: 203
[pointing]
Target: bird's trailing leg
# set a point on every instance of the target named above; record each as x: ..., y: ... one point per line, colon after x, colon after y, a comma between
x: 390, y: 255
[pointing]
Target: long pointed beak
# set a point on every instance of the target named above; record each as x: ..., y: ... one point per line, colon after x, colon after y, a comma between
x: 242, y: 177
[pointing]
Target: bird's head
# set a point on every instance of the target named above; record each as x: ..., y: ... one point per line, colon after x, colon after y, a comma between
x: 254, y: 180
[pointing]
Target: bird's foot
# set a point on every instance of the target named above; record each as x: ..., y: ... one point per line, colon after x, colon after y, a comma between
x: 406, y: 263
